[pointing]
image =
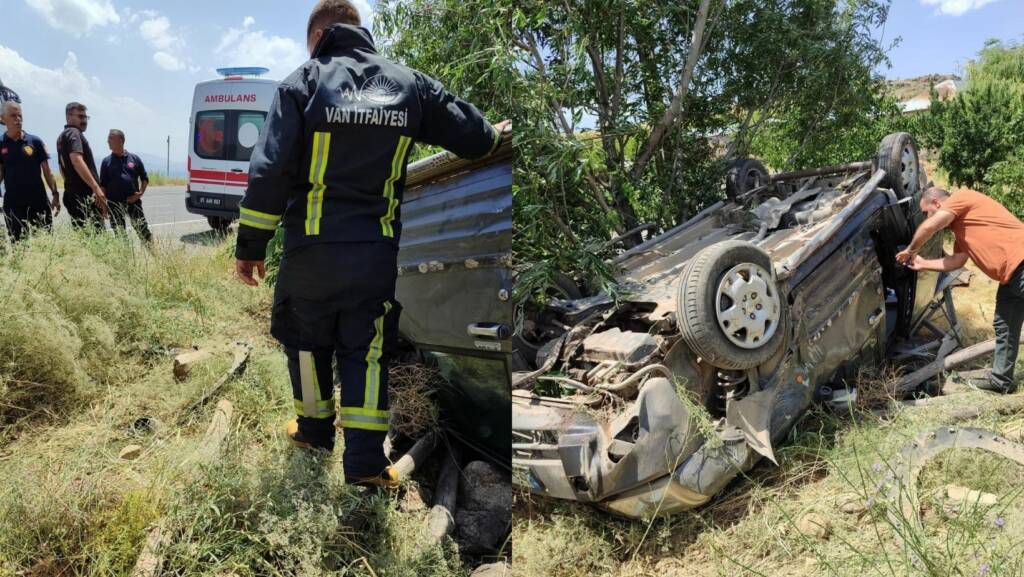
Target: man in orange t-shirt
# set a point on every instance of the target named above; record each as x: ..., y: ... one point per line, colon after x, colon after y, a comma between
x: 993, y: 238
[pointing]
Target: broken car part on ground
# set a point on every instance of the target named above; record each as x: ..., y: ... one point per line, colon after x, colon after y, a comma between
x: 727, y: 328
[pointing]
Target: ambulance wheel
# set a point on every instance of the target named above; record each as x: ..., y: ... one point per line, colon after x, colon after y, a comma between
x: 219, y: 224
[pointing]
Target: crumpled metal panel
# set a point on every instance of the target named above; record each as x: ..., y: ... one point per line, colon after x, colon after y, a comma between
x: 905, y: 508
x: 594, y: 460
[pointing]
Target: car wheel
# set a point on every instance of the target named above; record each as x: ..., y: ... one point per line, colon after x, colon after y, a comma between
x: 219, y: 224
x: 745, y: 174
x: 729, y: 309
x: 897, y: 156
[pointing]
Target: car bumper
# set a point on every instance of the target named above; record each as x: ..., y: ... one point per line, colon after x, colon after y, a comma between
x: 213, y: 204
x: 649, y: 460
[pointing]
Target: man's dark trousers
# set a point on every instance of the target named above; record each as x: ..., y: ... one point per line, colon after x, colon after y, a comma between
x: 83, y: 211
x: 120, y: 211
x: 335, y: 302
x: 20, y: 218
x: 1007, y: 322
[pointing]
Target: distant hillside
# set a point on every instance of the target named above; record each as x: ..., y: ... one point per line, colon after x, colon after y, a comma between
x: 904, y: 89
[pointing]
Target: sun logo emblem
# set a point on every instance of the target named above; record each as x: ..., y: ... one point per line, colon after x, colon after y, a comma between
x: 380, y: 90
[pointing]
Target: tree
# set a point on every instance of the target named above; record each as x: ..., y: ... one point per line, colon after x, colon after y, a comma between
x: 984, y: 125
x: 629, y: 112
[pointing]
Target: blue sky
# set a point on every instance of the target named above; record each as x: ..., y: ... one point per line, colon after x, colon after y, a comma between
x: 135, y: 62
x: 939, y: 36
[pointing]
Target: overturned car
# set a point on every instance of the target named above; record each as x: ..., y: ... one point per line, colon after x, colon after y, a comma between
x: 727, y: 328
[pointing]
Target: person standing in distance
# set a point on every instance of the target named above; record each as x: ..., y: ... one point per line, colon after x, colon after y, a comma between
x: 24, y: 167
x: 83, y: 196
x: 124, y: 180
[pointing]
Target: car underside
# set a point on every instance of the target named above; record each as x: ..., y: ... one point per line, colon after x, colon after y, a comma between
x: 725, y: 329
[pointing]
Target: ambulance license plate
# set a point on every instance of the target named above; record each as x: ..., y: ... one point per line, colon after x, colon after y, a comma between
x: 209, y: 201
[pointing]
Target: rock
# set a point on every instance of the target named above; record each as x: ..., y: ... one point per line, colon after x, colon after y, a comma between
x: 481, y: 532
x: 852, y: 504
x: 131, y: 452
x: 814, y: 525
x: 484, y: 514
x: 484, y: 488
x: 957, y: 495
x: 492, y: 570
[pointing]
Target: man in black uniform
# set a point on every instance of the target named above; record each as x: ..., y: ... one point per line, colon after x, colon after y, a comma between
x: 120, y: 174
x: 330, y: 167
x: 83, y: 196
x: 23, y: 169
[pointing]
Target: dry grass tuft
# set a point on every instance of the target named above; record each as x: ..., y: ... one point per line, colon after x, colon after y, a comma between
x: 86, y: 327
x: 412, y: 393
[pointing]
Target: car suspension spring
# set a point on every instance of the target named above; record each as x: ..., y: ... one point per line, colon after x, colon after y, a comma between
x: 731, y: 385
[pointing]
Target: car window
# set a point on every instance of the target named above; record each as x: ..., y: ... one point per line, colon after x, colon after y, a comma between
x: 477, y: 402
x: 228, y: 134
x: 209, y: 135
x: 250, y: 125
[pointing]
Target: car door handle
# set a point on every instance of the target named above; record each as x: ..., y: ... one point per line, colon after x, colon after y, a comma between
x: 236, y: 170
x: 489, y: 330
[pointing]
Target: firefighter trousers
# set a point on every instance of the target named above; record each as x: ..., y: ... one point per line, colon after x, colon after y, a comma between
x: 335, y: 313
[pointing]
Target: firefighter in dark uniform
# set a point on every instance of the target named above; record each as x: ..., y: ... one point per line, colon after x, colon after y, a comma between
x: 330, y: 168
x: 124, y: 180
x: 23, y: 169
x: 83, y: 196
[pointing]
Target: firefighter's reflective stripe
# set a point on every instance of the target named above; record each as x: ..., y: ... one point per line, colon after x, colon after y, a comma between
x: 363, y: 418
x: 317, y: 169
x: 371, y: 393
x: 324, y: 409
x: 311, y: 405
x: 397, y: 164
x: 257, y: 219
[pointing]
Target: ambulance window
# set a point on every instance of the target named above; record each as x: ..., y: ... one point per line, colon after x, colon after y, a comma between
x: 210, y: 135
x: 250, y: 125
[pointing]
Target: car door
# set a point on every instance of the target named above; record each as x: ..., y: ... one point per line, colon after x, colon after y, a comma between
x: 455, y: 287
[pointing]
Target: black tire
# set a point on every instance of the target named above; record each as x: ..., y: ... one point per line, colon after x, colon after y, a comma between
x: 745, y: 174
x: 893, y: 153
x: 696, y: 302
x: 219, y: 224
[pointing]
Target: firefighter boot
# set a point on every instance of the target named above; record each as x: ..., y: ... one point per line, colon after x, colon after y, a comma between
x: 387, y: 479
x: 296, y: 438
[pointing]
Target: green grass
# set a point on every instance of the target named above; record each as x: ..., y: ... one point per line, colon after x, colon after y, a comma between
x: 86, y: 324
x: 161, y: 179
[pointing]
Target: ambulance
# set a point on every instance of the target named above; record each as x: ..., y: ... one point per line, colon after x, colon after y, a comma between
x: 226, y: 121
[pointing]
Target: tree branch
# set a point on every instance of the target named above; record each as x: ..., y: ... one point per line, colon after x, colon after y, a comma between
x: 675, y: 108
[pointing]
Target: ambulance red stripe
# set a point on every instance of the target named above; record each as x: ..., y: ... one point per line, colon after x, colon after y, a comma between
x: 220, y: 174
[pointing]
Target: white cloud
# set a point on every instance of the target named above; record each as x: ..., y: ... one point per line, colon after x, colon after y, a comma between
x: 955, y: 7
x: 157, y: 32
x: 169, y: 44
x: 45, y: 91
x: 167, y: 61
x: 247, y: 47
x: 76, y: 16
